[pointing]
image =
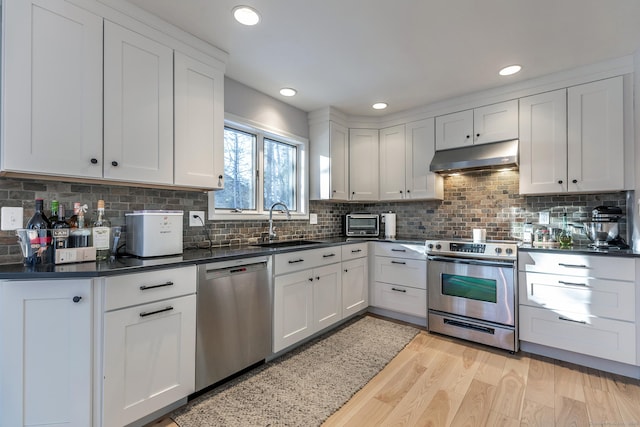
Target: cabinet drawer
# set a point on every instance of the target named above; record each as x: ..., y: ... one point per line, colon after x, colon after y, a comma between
x: 301, y: 260
x: 584, y: 295
x: 580, y: 333
x: 139, y: 288
x: 400, y: 250
x: 400, y: 271
x: 400, y: 298
x: 355, y: 250
x: 604, y: 267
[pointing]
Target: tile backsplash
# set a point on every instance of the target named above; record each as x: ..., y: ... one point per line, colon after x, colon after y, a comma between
x: 477, y: 200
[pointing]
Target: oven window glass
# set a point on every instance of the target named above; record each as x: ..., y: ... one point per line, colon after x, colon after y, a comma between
x: 473, y: 288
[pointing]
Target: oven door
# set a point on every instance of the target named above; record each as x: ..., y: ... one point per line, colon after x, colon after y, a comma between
x: 479, y: 289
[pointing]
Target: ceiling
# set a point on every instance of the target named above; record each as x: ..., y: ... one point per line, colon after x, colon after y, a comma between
x: 351, y: 53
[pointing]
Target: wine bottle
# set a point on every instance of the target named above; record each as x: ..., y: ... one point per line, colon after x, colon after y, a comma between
x: 54, y: 211
x: 42, y: 240
x: 101, y: 234
x: 73, y: 220
x: 79, y: 234
x: 61, y: 230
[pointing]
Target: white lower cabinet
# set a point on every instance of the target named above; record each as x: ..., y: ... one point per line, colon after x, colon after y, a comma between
x: 579, y: 303
x: 45, y: 353
x: 400, y: 278
x: 309, y: 300
x: 149, y: 343
x: 355, y: 278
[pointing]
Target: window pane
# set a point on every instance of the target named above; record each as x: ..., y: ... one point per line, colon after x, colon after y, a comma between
x: 239, y: 171
x: 279, y: 174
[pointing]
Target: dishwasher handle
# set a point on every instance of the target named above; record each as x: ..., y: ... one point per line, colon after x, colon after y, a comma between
x: 236, y: 269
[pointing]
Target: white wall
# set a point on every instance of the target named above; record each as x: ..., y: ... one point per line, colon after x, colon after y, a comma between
x: 243, y: 101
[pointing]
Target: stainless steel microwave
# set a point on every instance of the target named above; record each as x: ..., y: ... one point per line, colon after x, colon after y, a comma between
x: 362, y: 225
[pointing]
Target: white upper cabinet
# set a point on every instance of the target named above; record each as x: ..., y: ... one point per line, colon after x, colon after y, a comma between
x: 392, y: 163
x: 572, y: 140
x: 419, y: 150
x: 543, y: 143
x: 199, y: 124
x: 329, y: 161
x: 595, y: 136
x: 138, y: 107
x: 405, y: 154
x: 491, y: 123
x: 52, y: 89
x: 363, y: 164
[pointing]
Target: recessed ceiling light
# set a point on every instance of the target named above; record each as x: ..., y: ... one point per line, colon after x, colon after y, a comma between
x: 379, y: 105
x: 287, y: 91
x: 511, y: 69
x: 246, y: 15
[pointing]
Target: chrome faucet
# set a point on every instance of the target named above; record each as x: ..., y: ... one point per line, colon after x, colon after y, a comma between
x: 272, y: 234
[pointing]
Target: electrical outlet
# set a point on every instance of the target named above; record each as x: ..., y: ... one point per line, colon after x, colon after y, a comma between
x: 194, y: 221
x: 543, y: 218
x: 313, y: 219
x: 11, y: 218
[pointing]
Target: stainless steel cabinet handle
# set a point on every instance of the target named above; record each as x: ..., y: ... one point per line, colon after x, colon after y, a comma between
x: 566, y: 319
x: 562, y: 282
x: 355, y: 251
x: 162, y: 285
x: 162, y: 310
x: 398, y: 262
x: 293, y: 261
x: 399, y: 290
x: 572, y: 265
x: 398, y: 250
x: 328, y: 255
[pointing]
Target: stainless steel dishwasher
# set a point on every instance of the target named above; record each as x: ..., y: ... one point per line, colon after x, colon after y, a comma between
x: 233, y: 327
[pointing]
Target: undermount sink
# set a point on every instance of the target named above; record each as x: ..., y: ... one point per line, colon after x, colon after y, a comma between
x: 286, y: 243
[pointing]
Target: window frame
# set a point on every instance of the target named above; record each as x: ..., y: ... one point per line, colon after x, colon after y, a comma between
x: 302, y: 179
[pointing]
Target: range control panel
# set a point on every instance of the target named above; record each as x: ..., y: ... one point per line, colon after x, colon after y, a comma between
x: 487, y: 249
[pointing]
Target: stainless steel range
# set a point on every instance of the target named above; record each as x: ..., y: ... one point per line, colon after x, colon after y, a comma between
x: 472, y: 291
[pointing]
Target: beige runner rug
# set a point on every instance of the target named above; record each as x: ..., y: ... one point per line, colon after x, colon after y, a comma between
x: 303, y: 387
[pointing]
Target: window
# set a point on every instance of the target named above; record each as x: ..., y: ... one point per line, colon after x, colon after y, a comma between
x: 261, y: 168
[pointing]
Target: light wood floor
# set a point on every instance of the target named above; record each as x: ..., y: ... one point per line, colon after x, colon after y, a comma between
x: 437, y: 381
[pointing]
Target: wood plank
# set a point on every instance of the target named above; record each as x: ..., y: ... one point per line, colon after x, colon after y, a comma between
x: 490, y: 367
x: 541, y: 382
x: 626, y: 392
x: 441, y: 410
x: 568, y: 381
x: 570, y: 412
x: 476, y: 405
x: 374, y: 412
x: 602, y: 407
x: 536, y: 415
x: 511, y: 387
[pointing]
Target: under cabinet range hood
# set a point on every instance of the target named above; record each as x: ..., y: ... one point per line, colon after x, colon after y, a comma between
x: 494, y: 155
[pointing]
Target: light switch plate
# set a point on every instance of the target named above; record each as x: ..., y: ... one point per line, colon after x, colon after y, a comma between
x: 543, y: 218
x: 11, y: 218
x: 313, y: 219
x: 195, y: 222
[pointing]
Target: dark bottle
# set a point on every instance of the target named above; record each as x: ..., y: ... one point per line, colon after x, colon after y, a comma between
x: 73, y: 221
x: 41, y: 241
x: 61, y: 230
x: 55, y: 206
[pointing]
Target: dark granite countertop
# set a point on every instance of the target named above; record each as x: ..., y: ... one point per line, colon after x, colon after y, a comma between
x: 126, y: 264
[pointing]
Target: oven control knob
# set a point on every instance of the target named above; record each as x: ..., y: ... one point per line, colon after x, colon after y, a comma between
x: 509, y: 251
x: 438, y: 246
x: 430, y: 246
x: 498, y: 251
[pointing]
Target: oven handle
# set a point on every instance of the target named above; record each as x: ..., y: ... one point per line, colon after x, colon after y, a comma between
x: 503, y: 264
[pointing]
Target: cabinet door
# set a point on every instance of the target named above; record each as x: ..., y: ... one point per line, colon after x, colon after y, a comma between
x: 403, y: 299
x: 327, y: 296
x: 454, y: 130
x: 355, y: 286
x: 46, y: 359
x: 138, y: 107
x: 419, y: 150
x: 199, y: 122
x: 363, y: 164
x: 292, y: 309
x: 52, y: 108
x: 543, y: 143
x: 149, y: 359
x: 392, y: 163
x: 595, y: 136
x: 339, y: 141
x: 400, y: 271
x: 496, y: 122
